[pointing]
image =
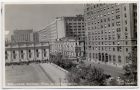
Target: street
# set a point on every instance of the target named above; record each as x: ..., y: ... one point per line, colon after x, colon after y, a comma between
x: 26, y: 75
x: 113, y: 71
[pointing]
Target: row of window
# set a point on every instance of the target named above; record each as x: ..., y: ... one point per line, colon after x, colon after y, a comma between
x: 104, y: 43
x: 101, y: 26
x: 22, y: 54
x: 104, y: 57
x: 103, y: 6
x: 118, y: 48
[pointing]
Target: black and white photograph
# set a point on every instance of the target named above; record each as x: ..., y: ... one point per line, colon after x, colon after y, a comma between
x: 87, y: 44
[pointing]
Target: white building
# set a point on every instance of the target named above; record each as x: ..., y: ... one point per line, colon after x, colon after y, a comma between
x: 22, y: 36
x: 16, y: 52
x: 52, y: 31
x: 69, y: 48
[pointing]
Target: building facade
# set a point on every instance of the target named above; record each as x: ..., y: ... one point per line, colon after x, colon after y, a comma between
x: 17, y: 52
x: 22, y: 36
x: 111, y: 32
x: 68, y: 47
x: 52, y: 31
x: 74, y: 27
x: 63, y: 27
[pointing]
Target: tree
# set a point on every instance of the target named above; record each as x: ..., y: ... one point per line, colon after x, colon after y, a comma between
x: 130, y: 75
x: 86, y: 75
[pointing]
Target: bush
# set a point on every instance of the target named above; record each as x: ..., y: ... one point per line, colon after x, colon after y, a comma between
x: 86, y: 75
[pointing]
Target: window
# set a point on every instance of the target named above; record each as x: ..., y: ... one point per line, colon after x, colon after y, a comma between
x: 118, y: 43
x: 104, y: 19
x: 119, y: 49
x: 118, y: 36
x: 109, y: 37
x: 114, y: 59
x: 108, y: 19
x: 112, y: 24
x: 110, y: 58
x: 44, y: 53
x: 37, y: 53
x: 113, y: 49
x: 112, y: 12
x: 108, y: 25
x: 30, y: 54
x: 118, y: 29
x: 125, y: 28
x: 126, y: 49
x: 119, y: 59
x: 117, y: 10
x: 6, y: 55
x: 126, y: 22
x: 101, y: 20
x: 125, y: 15
x: 118, y: 23
x: 117, y: 16
x: 126, y: 37
x: 113, y: 43
x: 124, y: 8
x: 14, y: 54
x: 126, y: 42
x: 90, y: 55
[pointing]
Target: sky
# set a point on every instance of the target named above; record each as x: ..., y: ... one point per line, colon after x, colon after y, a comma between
x: 36, y: 16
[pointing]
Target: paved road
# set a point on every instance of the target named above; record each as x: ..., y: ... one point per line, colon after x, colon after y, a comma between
x: 26, y: 75
x: 113, y: 71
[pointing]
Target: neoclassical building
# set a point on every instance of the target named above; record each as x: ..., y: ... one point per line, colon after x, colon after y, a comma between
x: 69, y: 47
x: 26, y: 51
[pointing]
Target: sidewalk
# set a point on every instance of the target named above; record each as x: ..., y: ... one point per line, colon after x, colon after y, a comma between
x: 56, y: 73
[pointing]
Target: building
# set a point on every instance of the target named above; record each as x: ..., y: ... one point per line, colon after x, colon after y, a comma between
x: 70, y: 48
x: 18, y: 52
x: 63, y: 27
x: 74, y: 27
x: 52, y: 31
x: 22, y: 36
x: 111, y: 32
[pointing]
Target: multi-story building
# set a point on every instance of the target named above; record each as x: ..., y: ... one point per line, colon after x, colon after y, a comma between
x: 63, y: 27
x: 22, y: 36
x: 71, y: 27
x: 111, y: 32
x: 69, y: 48
x: 52, y: 31
x: 17, y: 52
x: 74, y: 27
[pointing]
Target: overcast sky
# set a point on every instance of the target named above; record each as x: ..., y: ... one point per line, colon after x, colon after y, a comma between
x: 37, y: 16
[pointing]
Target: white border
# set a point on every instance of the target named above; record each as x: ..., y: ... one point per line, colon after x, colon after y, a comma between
x: 2, y: 47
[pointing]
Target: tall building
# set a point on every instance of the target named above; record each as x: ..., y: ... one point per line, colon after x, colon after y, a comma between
x: 52, y: 31
x: 74, y: 27
x: 111, y: 32
x: 63, y: 27
x: 22, y: 36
